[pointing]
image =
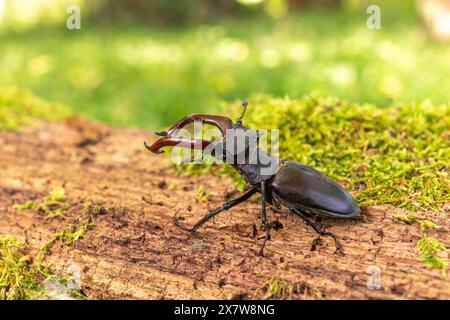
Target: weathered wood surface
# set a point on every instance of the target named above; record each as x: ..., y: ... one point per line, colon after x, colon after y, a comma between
x: 135, y: 251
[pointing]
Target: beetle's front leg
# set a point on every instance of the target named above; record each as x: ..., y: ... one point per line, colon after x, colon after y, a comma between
x: 226, y: 206
x: 264, y: 218
x: 263, y: 205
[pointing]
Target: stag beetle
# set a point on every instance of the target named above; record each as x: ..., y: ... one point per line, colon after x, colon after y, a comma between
x: 305, y: 191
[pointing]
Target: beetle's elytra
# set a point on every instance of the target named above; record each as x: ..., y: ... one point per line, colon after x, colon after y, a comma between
x: 302, y: 189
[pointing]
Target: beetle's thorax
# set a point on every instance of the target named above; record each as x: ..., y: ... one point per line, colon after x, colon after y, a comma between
x: 240, y: 148
x: 259, y: 168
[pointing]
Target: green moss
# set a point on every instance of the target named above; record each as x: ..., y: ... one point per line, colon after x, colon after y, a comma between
x: 18, y: 107
x: 202, y: 195
x: 429, y: 249
x: 395, y: 156
x: 409, y: 219
x: 22, y: 277
x: 18, y: 278
x: 68, y: 235
x: 53, y: 205
x: 73, y: 232
x: 275, y: 288
x: 281, y: 290
x: 432, y: 252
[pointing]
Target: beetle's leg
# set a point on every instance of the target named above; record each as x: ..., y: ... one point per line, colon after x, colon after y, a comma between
x: 263, y: 205
x: 221, y: 122
x: 226, y: 206
x: 318, y: 229
x: 264, y: 217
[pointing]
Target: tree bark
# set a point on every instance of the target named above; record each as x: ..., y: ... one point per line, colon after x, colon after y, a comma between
x: 135, y: 250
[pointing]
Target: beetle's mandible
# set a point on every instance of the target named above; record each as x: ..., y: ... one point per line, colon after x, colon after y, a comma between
x: 305, y: 191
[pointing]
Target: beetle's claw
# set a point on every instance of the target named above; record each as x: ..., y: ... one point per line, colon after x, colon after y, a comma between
x: 176, y: 222
x: 161, y: 133
x: 266, y: 238
x: 267, y: 228
x: 339, y: 248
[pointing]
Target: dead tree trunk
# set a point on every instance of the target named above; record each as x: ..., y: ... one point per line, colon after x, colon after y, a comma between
x: 135, y: 251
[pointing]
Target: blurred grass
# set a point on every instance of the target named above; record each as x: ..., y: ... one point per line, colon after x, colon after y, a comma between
x: 150, y: 77
x: 19, y: 107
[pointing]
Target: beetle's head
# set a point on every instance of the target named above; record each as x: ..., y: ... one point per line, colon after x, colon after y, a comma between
x: 239, y: 141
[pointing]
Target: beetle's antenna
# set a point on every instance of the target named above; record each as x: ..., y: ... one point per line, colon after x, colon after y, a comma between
x: 244, y: 104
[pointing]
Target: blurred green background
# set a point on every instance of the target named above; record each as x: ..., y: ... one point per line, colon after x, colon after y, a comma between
x: 148, y: 63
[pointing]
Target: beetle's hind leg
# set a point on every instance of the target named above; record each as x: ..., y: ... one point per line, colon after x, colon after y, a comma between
x: 318, y: 229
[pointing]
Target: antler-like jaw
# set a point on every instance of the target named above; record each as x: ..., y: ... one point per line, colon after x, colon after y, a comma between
x: 169, y: 141
x: 222, y: 123
x: 155, y: 147
x: 158, y: 144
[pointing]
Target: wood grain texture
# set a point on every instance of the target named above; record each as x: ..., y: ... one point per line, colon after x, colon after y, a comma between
x: 135, y: 251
